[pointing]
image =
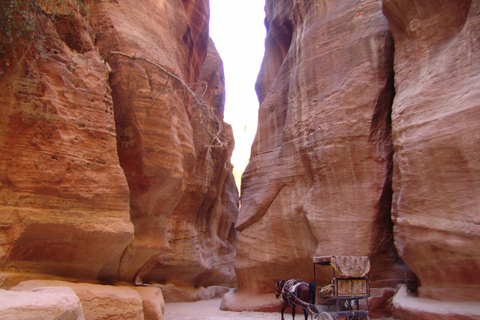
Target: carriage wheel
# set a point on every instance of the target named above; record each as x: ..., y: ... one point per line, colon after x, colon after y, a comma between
x: 325, y: 316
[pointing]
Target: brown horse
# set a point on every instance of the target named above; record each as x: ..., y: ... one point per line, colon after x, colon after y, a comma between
x: 295, y: 293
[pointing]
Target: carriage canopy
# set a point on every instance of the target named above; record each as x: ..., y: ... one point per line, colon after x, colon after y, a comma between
x: 346, y: 266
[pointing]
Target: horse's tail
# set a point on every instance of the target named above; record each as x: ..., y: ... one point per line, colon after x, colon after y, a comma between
x: 312, y: 288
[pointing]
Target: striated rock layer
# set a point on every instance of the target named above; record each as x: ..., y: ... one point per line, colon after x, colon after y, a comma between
x: 319, y: 178
x: 175, y: 151
x: 435, y: 121
x: 64, y: 199
x: 119, y: 170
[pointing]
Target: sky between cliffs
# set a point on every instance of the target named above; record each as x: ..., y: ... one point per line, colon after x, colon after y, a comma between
x: 238, y: 30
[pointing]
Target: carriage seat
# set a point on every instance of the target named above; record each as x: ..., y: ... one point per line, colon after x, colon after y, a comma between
x: 326, y: 291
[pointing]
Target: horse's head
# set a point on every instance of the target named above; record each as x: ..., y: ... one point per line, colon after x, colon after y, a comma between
x: 278, y: 287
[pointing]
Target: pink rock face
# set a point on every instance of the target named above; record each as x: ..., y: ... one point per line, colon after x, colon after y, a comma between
x: 175, y: 151
x: 318, y: 182
x: 435, y: 119
x: 120, y: 175
x: 62, y: 190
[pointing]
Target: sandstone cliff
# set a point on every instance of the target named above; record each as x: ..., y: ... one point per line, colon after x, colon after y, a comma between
x: 435, y: 125
x: 114, y: 162
x: 318, y: 181
x: 114, y: 168
x: 363, y: 151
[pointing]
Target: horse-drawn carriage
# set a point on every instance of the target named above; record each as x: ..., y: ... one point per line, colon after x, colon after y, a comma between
x: 346, y: 297
x: 347, y: 294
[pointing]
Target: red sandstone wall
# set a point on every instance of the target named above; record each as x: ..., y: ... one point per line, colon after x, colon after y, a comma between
x: 319, y: 178
x: 435, y: 121
x: 112, y: 171
x: 367, y: 144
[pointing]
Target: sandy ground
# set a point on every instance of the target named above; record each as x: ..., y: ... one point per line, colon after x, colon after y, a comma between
x: 210, y: 309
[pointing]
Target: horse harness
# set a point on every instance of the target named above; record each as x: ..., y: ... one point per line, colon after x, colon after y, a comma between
x: 288, y: 291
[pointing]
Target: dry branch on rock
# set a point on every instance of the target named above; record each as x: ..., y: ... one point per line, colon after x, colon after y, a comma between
x: 216, y: 140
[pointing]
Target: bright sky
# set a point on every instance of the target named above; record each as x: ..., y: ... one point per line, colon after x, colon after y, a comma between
x: 238, y: 30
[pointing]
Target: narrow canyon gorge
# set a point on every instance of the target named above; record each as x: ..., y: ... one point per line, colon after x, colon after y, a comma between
x: 116, y: 186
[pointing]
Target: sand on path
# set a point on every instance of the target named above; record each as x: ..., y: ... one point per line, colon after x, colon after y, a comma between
x: 210, y: 309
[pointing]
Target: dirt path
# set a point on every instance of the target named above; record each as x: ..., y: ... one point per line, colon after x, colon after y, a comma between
x: 210, y: 309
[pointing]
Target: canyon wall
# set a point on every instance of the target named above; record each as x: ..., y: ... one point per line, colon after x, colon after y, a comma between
x: 63, y: 191
x: 367, y: 144
x: 114, y: 162
x: 319, y: 177
x: 115, y: 157
x: 436, y: 138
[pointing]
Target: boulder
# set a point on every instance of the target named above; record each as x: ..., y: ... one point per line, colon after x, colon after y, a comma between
x: 56, y: 303
x: 173, y: 293
x: 98, y: 301
x: 152, y: 301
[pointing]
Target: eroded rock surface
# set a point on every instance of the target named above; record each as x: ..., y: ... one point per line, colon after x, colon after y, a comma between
x: 41, y: 303
x: 64, y: 199
x: 119, y: 170
x: 435, y: 120
x: 339, y: 167
x: 98, y: 301
x: 174, y: 150
x: 318, y: 182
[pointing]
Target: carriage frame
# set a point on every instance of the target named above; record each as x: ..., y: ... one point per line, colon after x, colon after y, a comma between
x: 350, y: 287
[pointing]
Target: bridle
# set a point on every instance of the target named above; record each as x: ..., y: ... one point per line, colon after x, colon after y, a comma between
x: 278, y: 287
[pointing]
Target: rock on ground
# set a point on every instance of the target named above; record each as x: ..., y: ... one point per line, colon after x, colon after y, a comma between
x: 56, y: 303
x: 101, y: 301
x: 415, y: 308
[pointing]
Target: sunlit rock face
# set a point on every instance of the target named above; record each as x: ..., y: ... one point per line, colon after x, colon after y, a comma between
x: 64, y: 199
x: 436, y: 121
x: 114, y: 168
x: 175, y: 151
x: 319, y: 178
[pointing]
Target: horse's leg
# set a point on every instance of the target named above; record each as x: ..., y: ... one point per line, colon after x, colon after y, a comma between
x: 305, y: 313
x: 283, y: 309
x: 293, y: 311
